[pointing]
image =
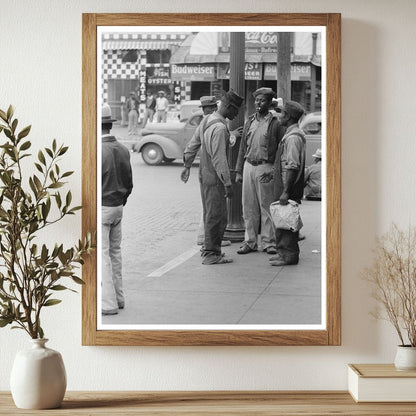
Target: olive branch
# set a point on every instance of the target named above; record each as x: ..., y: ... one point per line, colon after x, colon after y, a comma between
x: 30, y: 272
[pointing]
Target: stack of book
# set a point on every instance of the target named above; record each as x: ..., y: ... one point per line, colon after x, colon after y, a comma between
x: 381, y: 383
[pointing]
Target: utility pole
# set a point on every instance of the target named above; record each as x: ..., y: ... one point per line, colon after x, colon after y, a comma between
x: 283, y: 86
x: 235, y: 224
x: 313, y: 73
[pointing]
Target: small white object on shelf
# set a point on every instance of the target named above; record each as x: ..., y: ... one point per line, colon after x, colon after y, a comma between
x: 381, y: 383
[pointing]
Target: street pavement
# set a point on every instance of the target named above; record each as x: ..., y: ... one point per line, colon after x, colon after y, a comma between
x: 165, y: 282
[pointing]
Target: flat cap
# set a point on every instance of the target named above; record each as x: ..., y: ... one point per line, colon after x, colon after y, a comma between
x: 294, y: 109
x: 232, y: 98
x: 207, y: 100
x: 264, y: 91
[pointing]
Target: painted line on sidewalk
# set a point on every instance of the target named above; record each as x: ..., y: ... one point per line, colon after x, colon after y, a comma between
x: 175, y: 262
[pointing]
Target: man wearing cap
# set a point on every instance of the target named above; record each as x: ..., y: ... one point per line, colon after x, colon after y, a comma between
x: 162, y: 105
x: 261, y: 136
x: 214, y: 175
x: 208, y: 104
x: 116, y: 186
x: 313, y: 178
x: 289, y: 180
x: 150, y: 108
x: 132, y: 105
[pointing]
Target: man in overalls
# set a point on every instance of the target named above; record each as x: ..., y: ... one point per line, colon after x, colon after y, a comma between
x: 214, y: 175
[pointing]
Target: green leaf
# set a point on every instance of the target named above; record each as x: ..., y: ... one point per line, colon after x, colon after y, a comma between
x: 68, y: 199
x: 33, y: 187
x: 77, y: 208
x: 59, y: 287
x: 40, y: 331
x: 24, y: 132
x: 8, y: 133
x: 44, y: 253
x: 54, y: 145
x: 45, y: 211
x: 63, y: 150
x: 58, y: 199
x: 14, y: 125
x: 3, y: 115
x: 49, y: 152
x: 67, y: 174
x: 37, y: 182
x: 39, y: 167
x: 25, y: 145
x: 41, y: 158
x: 10, y: 112
x: 56, y: 185
x: 51, y: 302
x: 5, y: 321
x: 76, y: 279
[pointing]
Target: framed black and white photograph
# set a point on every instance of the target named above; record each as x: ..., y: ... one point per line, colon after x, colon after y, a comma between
x: 194, y: 126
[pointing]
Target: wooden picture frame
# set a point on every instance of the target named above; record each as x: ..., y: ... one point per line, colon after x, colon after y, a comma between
x: 331, y: 334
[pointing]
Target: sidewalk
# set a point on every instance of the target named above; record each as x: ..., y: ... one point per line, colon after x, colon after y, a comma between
x: 165, y: 282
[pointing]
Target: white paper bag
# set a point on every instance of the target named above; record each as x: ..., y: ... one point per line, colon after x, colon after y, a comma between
x: 286, y: 217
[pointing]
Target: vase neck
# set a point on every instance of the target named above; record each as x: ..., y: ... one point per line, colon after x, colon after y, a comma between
x: 38, y: 342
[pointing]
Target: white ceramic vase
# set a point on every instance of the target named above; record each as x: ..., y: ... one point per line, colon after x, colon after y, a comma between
x: 405, y: 358
x: 38, y: 377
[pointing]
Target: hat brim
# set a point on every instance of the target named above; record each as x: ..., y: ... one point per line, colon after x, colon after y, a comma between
x: 108, y: 120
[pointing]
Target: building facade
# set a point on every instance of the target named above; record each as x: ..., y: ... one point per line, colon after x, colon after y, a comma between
x: 187, y: 66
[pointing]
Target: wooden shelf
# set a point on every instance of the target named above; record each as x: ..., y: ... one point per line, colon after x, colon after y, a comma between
x: 268, y: 403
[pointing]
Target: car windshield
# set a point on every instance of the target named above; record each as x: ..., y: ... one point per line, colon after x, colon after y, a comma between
x: 312, y: 128
x: 194, y: 121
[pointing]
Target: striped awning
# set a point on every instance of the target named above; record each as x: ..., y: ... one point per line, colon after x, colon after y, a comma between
x: 137, y: 44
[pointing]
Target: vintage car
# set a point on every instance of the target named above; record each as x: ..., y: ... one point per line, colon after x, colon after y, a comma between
x: 165, y: 142
x: 311, y: 124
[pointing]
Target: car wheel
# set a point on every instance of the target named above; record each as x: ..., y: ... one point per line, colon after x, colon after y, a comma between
x: 152, y: 154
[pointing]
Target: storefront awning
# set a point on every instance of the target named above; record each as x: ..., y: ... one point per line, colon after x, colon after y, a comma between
x: 136, y: 44
x: 204, y: 48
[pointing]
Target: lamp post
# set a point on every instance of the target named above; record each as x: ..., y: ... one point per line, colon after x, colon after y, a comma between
x: 235, y: 224
x: 283, y: 87
x: 313, y: 72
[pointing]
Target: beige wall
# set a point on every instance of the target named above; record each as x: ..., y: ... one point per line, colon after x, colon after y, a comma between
x: 40, y: 73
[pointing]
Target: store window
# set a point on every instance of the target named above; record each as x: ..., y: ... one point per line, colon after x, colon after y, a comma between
x: 158, y: 57
x: 200, y: 88
x: 130, y: 56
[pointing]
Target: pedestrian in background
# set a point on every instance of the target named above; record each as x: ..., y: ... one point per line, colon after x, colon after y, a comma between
x: 261, y: 136
x: 132, y: 106
x: 313, y: 178
x: 162, y: 105
x: 289, y: 179
x: 150, y: 108
x: 214, y: 175
x: 116, y: 186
